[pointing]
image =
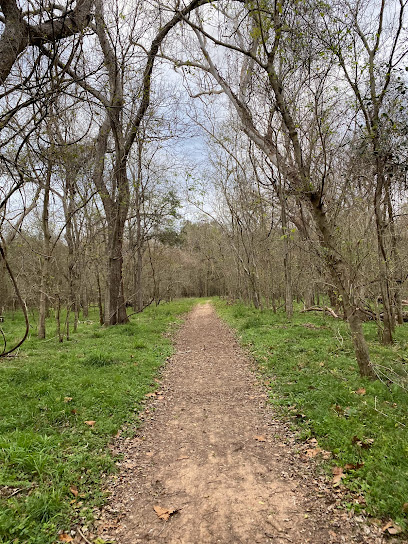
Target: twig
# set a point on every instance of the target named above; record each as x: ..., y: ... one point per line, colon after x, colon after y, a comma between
x: 5, y: 341
x: 15, y: 492
x: 81, y: 534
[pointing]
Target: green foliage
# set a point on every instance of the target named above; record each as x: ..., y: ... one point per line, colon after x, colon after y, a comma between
x: 47, y: 394
x: 315, y: 382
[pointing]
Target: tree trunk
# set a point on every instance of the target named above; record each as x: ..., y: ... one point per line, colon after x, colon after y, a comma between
x: 45, y: 259
x: 100, y: 304
x: 58, y: 318
x: 287, y: 257
x: 397, y: 267
x: 73, y: 280
x: 383, y: 265
x: 338, y: 271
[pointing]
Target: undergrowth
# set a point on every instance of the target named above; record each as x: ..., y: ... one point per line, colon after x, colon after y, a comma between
x: 314, y: 380
x: 60, y: 406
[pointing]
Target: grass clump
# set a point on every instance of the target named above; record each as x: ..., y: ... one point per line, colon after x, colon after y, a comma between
x: 314, y: 380
x: 99, y: 360
x: 49, y: 394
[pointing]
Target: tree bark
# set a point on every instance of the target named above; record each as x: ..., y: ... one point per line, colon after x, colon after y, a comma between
x: 383, y: 264
x: 287, y: 257
x: 45, y: 259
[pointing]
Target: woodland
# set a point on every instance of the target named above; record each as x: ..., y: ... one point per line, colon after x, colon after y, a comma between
x: 297, y: 113
x: 252, y: 150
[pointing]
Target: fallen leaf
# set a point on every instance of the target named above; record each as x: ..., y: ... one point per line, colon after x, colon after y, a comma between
x: 350, y: 466
x: 182, y: 457
x: 361, y: 391
x: 260, y: 438
x: 337, y: 475
x: 367, y: 443
x: 364, y: 443
x: 159, y: 392
x: 63, y: 537
x: 150, y: 395
x: 74, y: 411
x: 149, y: 453
x: 163, y: 513
x: 318, y: 451
x: 91, y: 423
x: 67, y: 399
x: 313, y: 453
x: 392, y: 528
x: 160, y: 397
x: 74, y: 490
x: 405, y: 507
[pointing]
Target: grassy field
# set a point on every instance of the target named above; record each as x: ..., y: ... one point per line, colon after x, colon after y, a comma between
x: 314, y: 380
x: 60, y: 406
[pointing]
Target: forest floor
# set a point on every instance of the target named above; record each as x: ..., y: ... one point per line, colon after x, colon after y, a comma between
x: 212, y: 463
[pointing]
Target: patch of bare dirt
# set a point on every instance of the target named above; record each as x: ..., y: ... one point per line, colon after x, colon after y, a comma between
x: 211, y: 465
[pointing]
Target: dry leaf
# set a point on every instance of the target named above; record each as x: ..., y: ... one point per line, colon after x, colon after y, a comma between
x: 163, y: 513
x: 361, y: 391
x: 91, y: 423
x: 405, y: 507
x: 364, y: 443
x: 63, y: 537
x: 67, y: 399
x: 350, y: 466
x: 260, y: 438
x: 313, y: 453
x: 392, y: 528
x: 74, y: 490
x: 338, y: 474
x: 159, y: 392
x: 318, y: 451
x: 150, y: 395
x: 182, y: 457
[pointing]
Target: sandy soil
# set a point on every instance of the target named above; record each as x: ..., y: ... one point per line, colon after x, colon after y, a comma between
x: 211, y: 451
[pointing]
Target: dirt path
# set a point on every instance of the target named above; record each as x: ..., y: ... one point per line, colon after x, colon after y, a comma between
x: 211, y: 451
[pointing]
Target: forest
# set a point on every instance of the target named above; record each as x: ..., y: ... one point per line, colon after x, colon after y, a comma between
x: 254, y: 152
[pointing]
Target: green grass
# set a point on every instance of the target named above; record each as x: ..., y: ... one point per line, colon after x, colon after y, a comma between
x: 314, y: 380
x: 48, y: 393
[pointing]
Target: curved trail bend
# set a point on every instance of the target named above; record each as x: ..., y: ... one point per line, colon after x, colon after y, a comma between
x: 211, y: 451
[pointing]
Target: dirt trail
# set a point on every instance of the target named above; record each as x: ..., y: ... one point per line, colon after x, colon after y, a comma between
x: 210, y: 451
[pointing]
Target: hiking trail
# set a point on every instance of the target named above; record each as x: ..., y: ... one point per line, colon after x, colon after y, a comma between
x: 211, y: 457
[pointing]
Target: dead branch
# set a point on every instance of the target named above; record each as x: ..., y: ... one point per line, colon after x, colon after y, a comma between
x: 325, y: 309
x: 21, y: 301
